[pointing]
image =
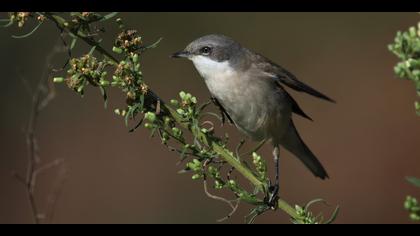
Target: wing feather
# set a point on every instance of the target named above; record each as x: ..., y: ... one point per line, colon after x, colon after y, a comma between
x: 285, y: 77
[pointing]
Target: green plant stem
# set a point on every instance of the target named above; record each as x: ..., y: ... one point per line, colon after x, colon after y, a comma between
x: 228, y: 157
x: 241, y: 168
x: 238, y: 166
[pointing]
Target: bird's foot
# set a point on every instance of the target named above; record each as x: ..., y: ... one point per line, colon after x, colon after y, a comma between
x: 272, y: 197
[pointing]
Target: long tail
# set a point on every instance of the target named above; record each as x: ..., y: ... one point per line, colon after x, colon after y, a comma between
x: 295, y: 145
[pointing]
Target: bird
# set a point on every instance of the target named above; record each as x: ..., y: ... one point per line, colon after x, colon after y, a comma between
x: 250, y: 89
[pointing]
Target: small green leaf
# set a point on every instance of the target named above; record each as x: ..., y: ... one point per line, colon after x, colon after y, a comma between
x: 333, y: 216
x: 73, y: 43
x: 127, y: 116
x: 9, y: 22
x: 80, y: 89
x: 413, y: 180
x: 28, y: 34
x: 75, y: 14
x: 104, y: 95
x: 94, y: 47
x: 72, y: 35
x: 153, y: 45
x: 313, y: 202
x: 109, y: 16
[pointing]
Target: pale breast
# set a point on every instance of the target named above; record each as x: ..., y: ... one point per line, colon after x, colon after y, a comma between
x: 250, y: 102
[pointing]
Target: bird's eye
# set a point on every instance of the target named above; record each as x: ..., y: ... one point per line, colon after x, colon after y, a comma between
x: 205, y: 50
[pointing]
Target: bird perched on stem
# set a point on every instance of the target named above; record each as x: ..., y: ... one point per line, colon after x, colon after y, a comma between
x: 249, y: 88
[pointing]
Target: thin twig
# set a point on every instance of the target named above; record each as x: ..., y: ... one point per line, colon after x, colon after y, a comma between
x: 42, y: 169
x: 232, y: 212
x: 25, y: 83
x: 229, y: 202
x: 41, y: 96
x: 55, y: 194
x: 211, y: 124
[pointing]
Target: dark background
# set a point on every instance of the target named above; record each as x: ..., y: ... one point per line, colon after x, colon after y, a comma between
x: 368, y: 141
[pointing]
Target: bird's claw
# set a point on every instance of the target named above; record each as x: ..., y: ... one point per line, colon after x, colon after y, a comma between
x: 272, y: 197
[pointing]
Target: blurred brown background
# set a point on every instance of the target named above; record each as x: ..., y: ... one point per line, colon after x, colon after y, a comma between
x: 368, y: 141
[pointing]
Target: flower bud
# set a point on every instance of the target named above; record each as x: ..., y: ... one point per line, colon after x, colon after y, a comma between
x: 196, y: 176
x: 135, y: 58
x: 117, y: 50
x: 174, y: 102
x: 180, y: 111
x: 150, y: 116
x: 80, y: 89
x: 58, y: 80
x: 218, y: 185
x: 104, y: 83
x: 414, y: 216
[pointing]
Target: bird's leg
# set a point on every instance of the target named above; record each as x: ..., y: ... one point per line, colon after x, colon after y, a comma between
x: 274, y: 189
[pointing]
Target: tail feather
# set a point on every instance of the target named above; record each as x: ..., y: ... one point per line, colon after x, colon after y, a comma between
x: 293, y: 142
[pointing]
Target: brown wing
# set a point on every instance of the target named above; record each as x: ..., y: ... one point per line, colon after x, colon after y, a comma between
x: 285, y: 77
x: 295, y: 106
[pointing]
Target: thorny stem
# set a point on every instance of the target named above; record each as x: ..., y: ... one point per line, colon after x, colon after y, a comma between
x: 227, y: 156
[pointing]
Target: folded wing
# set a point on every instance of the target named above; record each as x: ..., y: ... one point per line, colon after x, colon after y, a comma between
x: 285, y: 77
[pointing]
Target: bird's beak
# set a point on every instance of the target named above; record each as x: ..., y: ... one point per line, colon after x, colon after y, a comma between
x: 181, y: 54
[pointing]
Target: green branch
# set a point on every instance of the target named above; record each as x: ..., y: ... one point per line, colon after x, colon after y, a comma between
x: 167, y: 120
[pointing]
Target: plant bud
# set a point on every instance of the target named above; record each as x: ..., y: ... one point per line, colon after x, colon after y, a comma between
x: 150, y: 116
x: 174, y: 102
x: 104, y: 83
x: 58, y: 80
x: 196, y: 176
x: 117, y: 50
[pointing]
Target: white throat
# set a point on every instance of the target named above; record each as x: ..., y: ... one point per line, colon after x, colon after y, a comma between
x: 209, y: 69
x: 221, y: 79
